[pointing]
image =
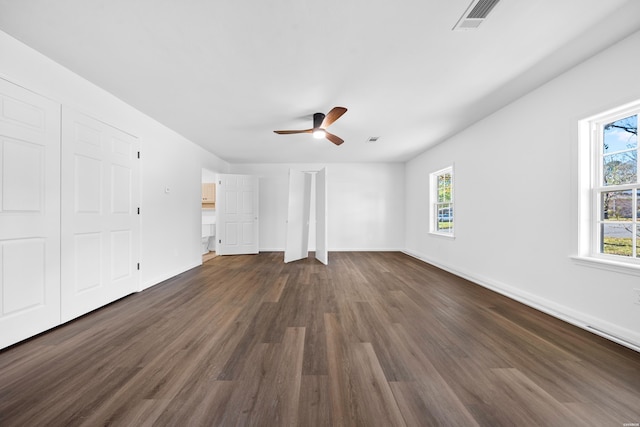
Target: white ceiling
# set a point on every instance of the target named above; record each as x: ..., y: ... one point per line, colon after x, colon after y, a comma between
x: 226, y: 73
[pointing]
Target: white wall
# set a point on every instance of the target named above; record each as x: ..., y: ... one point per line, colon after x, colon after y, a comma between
x: 365, y: 204
x: 516, y: 198
x: 170, y: 222
x: 208, y: 176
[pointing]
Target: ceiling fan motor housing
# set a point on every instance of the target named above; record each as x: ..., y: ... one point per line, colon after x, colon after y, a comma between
x: 317, y: 120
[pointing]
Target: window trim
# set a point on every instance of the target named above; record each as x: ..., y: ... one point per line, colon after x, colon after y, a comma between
x: 589, y: 190
x: 433, y: 201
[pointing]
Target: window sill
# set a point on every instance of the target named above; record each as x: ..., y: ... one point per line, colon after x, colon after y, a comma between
x: 446, y: 235
x: 606, y: 264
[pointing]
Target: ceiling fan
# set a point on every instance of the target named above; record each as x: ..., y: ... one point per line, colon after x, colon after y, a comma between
x: 320, y: 124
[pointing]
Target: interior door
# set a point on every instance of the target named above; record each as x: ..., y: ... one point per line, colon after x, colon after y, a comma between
x: 29, y: 214
x: 237, y: 214
x: 100, y: 219
x: 322, y: 252
x: 299, y: 210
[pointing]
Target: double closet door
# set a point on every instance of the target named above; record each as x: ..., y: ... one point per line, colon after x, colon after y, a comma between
x: 303, y: 197
x: 69, y: 225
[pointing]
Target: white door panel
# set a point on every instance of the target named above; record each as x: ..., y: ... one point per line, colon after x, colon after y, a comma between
x: 100, y: 222
x: 297, y: 240
x: 29, y: 214
x: 322, y: 253
x: 24, y: 288
x: 237, y: 214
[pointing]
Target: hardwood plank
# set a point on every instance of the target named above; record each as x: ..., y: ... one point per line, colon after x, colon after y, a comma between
x: 589, y: 386
x: 275, y: 289
x: 360, y: 394
x: 260, y: 325
x: 594, y: 415
x: 315, y: 408
x: 315, y: 344
x: 413, y: 409
x: 526, y: 402
x: 270, y: 387
x: 340, y: 391
x: 377, y: 405
x: 444, y: 405
x: 373, y: 339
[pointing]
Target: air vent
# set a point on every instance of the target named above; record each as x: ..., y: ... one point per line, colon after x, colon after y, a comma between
x: 475, y: 14
x: 373, y: 138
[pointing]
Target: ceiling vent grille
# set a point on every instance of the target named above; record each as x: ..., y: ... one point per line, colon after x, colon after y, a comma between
x: 475, y: 14
x: 373, y: 139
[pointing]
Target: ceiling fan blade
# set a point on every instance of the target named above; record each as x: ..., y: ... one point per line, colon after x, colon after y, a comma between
x: 289, y: 132
x: 333, y: 138
x: 332, y: 116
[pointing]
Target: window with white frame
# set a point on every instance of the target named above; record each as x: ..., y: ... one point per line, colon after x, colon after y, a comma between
x: 442, y: 201
x: 614, y: 194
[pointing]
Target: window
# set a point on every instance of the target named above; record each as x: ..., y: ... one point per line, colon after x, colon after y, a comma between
x: 614, y: 193
x: 442, y: 202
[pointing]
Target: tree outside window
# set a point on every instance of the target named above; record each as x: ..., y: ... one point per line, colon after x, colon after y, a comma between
x: 442, y: 201
x: 617, y: 195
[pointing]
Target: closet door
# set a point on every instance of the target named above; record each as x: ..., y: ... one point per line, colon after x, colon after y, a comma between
x: 29, y: 214
x: 322, y: 251
x: 100, y: 221
x: 298, y: 213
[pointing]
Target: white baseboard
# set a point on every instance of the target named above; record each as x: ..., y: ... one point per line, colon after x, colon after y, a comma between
x: 365, y: 250
x: 603, y: 328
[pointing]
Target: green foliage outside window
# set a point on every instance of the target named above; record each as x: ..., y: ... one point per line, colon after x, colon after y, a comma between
x: 620, y: 232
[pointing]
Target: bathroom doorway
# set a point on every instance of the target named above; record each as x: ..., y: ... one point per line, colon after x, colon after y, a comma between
x: 208, y: 214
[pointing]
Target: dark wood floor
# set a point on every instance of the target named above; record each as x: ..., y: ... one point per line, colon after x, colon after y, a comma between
x: 374, y: 339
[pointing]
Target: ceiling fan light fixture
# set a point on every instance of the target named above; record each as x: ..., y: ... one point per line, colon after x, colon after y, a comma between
x: 319, y: 133
x: 320, y: 123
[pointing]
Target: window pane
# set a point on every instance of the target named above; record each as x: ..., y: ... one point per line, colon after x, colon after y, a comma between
x: 444, y: 188
x: 617, y: 205
x: 638, y: 242
x: 621, y: 135
x: 445, y: 218
x: 617, y: 239
x: 621, y: 168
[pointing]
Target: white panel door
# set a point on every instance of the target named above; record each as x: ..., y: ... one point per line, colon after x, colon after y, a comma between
x: 237, y: 214
x: 322, y: 251
x: 29, y: 214
x: 297, y: 241
x: 100, y: 220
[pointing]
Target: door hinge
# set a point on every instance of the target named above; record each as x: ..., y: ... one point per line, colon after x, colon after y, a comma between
x: 138, y: 266
x: 138, y: 211
x: 220, y: 241
x: 138, y: 154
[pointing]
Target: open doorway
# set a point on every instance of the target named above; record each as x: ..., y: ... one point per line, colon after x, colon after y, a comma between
x: 208, y: 215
